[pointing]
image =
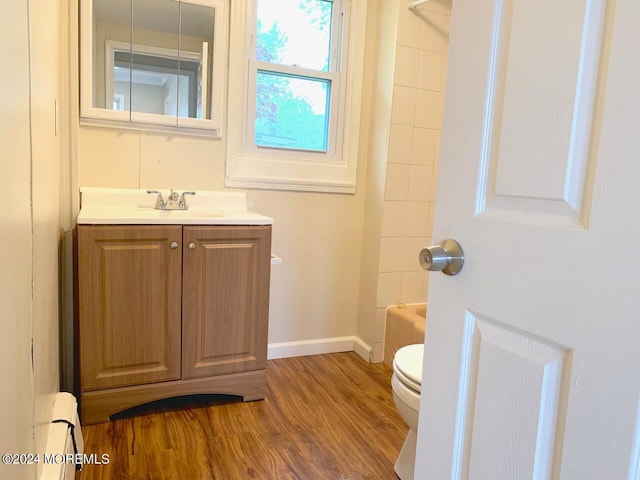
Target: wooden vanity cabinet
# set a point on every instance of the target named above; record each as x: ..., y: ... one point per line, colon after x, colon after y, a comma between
x: 129, y: 305
x: 170, y: 310
x: 224, y: 327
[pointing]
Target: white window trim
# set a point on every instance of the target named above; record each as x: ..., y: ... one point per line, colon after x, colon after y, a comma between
x: 279, y: 169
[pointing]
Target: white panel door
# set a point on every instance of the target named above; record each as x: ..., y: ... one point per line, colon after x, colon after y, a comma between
x: 532, y: 352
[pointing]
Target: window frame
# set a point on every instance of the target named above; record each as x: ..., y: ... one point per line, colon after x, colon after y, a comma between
x: 334, y: 137
x: 268, y: 167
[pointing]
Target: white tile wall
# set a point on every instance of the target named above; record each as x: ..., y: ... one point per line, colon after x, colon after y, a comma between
x: 435, y: 32
x: 412, y: 287
x: 401, y: 140
x: 377, y: 356
x: 404, y: 105
x: 424, y: 146
x: 391, y: 254
x: 418, y: 220
x: 380, y: 322
x: 407, y: 66
x: 388, y: 289
x: 397, y: 182
x: 420, y: 181
x: 428, y: 109
x: 409, y: 27
x: 430, y: 71
x: 434, y: 183
x: 412, y: 156
x: 394, y: 216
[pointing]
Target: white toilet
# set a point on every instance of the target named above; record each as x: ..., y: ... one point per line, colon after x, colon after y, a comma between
x: 405, y: 384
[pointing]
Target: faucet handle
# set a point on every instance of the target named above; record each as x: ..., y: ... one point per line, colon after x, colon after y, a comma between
x: 160, y: 201
x: 173, y: 196
x: 183, y: 203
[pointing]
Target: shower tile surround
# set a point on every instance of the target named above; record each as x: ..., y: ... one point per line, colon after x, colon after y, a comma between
x: 412, y: 156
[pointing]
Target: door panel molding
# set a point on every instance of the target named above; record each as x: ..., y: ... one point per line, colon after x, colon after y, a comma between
x: 225, y: 299
x: 539, y: 128
x: 509, y: 378
x: 127, y: 336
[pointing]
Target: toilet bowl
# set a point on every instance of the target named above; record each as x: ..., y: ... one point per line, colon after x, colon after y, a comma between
x: 406, y: 383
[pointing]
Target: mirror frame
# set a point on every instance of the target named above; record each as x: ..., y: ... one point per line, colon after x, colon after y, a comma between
x: 90, y: 115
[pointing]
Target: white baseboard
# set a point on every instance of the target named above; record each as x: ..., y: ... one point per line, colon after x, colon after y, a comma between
x: 377, y: 355
x: 362, y: 349
x: 319, y: 346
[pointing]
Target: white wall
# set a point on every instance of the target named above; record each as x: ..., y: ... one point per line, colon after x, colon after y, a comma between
x: 30, y: 219
x: 46, y: 166
x: 16, y: 403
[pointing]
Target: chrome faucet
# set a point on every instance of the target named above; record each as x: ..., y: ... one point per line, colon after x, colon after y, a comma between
x: 172, y: 201
x: 175, y: 201
x: 182, y: 203
x: 160, y: 201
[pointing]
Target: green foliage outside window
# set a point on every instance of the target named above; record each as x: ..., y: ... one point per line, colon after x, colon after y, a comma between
x: 292, y: 111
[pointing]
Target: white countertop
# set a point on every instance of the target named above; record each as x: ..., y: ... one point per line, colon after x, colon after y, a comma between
x: 102, y: 206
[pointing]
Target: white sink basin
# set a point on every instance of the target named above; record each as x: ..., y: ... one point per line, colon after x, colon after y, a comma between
x: 128, y: 206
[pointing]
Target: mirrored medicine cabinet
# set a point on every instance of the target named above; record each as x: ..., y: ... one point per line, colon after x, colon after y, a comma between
x: 153, y: 64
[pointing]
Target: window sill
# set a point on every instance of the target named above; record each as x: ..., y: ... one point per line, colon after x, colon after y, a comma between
x: 289, y: 173
x: 288, y: 184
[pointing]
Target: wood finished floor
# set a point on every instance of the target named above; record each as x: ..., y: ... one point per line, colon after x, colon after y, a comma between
x: 324, y: 417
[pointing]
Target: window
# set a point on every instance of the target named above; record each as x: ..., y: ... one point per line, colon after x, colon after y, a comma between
x: 295, y: 74
x: 298, y: 125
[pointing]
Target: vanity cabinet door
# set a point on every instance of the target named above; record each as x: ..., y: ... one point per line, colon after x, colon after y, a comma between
x: 225, y: 299
x: 129, y: 297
